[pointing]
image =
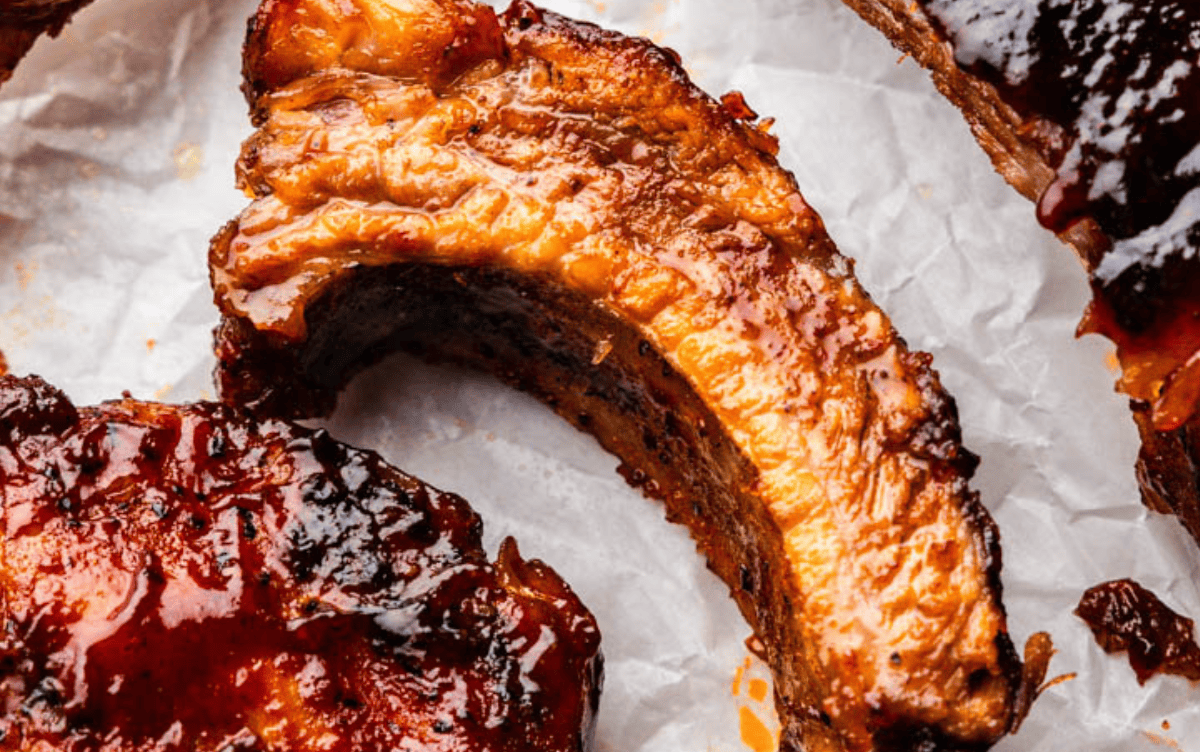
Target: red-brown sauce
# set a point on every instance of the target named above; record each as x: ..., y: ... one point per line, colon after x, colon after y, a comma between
x: 1159, y: 365
x: 1124, y: 616
x: 186, y: 578
x: 1119, y: 81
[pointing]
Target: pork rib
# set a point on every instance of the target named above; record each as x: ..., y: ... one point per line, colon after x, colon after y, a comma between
x: 189, y: 578
x: 1089, y: 108
x: 558, y: 204
x: 23, y: 21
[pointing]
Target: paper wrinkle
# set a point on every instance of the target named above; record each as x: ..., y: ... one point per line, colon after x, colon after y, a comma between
x: 117, y: 144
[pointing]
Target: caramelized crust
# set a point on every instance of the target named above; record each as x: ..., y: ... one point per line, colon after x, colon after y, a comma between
x: 23, y: 21
x: 1088, y: 109
x: 188, y: 578
x: 559, y: 205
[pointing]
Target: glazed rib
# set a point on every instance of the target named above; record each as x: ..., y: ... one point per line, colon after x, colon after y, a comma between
x: 559, y: 205
x: 1089, y: 109
x: 189, y: 578
x: 23, y: 21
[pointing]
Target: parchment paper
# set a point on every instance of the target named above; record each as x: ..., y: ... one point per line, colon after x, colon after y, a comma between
x: 117, y: 143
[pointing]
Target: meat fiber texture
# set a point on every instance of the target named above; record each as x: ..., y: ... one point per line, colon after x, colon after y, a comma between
x: 117, y: 143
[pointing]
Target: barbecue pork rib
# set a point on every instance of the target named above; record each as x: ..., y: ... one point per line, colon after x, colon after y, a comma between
x: 23, y: 21
x: 559, y: 205
x: 1090, y: 108
x: 189, y: 578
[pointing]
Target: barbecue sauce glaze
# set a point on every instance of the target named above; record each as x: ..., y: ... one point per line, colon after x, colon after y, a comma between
x: 1124, y: 616
x: 1108, y: 89
x: 188, y: 578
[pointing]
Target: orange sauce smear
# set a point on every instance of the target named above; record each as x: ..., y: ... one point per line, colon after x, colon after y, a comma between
x: 1161, y: 365
x: 755, y: 734
x: 758, y: 727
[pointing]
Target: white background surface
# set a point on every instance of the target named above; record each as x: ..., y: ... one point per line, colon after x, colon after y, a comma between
x: 117, y: 144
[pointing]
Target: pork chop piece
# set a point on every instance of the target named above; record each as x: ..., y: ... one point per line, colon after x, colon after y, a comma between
x: 23, y: 21
x: 185, y: 577
x: 1092, y: 109
x: 558, y: 204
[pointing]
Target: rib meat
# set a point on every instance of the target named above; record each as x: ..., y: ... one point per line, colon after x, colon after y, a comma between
x: 188, y: 578
x: 558, y: 204
x: 23, y: 21
x: 1089, y: 108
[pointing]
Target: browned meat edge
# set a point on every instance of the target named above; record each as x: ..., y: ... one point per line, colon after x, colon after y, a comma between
x: 21, y: 23
x: 1168, y: 469
x: 542, y: 340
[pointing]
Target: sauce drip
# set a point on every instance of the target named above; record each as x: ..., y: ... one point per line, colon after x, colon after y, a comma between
x: 1118, y: 80
x: 1124, y: 616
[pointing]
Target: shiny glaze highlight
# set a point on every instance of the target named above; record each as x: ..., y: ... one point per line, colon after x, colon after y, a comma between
x: 1108, y: 90
x: 188, y: 578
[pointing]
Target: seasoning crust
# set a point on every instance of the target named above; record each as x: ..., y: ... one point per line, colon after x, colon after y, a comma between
x: 558, y: 204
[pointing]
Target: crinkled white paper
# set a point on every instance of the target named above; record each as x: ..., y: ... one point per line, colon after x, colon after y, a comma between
x: 117, y: 144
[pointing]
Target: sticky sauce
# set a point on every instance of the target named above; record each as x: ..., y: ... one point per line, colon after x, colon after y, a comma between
x: 188, y: 578
x: 755, y: 734
x: 1117, y: 76
x: 1160, y: 365
x: 736, y: 688
x: 758, y: 726
x: 1126, y: 617
x: 1118, y: 81
x: 758, y: 690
